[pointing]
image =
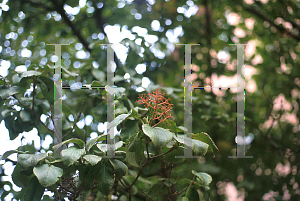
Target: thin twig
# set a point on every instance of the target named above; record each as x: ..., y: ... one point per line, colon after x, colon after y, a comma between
x: 26, y: 107
x: 266, y: 18
x: 34, y: 84
x: 77, y: 119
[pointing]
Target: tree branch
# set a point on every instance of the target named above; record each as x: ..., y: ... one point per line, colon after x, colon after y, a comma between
x: 266, y: 18
x: 77, y: 119
x: 36, y: 114
x: 60, y: 9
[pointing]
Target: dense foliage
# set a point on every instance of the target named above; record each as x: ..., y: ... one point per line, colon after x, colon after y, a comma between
x: 272, y: 75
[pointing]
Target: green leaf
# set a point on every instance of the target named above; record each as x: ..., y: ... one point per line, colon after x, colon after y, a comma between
x: 170, y: 90
x: 25, y: 115
x: 92, y: 159
x: 69, y: 73
x: 117, y: 91
x: 135, y: 114
x: 204, y: 137
x: 120, y: 168
x: 70, y: 155
x: 29, y: 73
x: 92, y: 142
x: 105, y: 177
x: 135, y: 151
x: 8, y: 153
x: 158, y: 191
x: 52, y: 162
x: 168, y: 124
x: 97, y: 84
x: 6, y: 91
x: 103, y: 147
x: 119, y: 119
x: 30, y: 160
x: 34, y: 191
x: 120, y: 108
x: 99, y: 75
x: 200, y: 148
x: 99, y: 112
x: 205, y: 179
x: 72, y: 140
x: 47, y: 174
x: 206, y: 193
x: 18, y: 178
x: 47, y: 86
x: 192, y: 194
x: 159, y: 136
x: 131, y: 127
x: 185, y: 199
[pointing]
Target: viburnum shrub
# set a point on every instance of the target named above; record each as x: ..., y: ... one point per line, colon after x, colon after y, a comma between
x: 148, y: 169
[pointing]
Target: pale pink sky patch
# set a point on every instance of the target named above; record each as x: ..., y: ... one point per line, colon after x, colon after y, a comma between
x: 238, y: 32
x: 280, y: 100
x: 232, y: 193
x: 278, y: 21
x: 233, y: 18
x: 223, y: 56
x: 249, y: 71
x: 249, y: 22
x: 270, y: 196
x: 250, y: 49
x: 283, y: 170
x: 251, y: 86
x: 291, y: 118
x: 249, y: 1
x: 288, y: 26
x: 257, y: 60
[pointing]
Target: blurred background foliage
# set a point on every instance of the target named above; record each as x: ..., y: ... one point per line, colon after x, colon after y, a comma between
x: 149, y: 57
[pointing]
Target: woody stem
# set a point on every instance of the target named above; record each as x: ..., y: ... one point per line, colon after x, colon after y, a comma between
x: 154, y: 111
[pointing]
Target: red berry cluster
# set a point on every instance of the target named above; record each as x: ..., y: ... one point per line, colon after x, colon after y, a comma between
x: 160, y: 105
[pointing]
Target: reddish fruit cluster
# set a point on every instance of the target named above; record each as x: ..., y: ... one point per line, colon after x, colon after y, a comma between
x: 160, y: 105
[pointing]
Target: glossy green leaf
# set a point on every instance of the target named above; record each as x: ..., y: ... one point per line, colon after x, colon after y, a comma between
x: 159, y: 136
x: 105, y: 177
x: 92, y: 142
x: 192, y: 194
x: 135, y: 151
x: 119, y: 119
x: 92, y: 159
x: 30, y: 160
x: 130, y: 129
x: 6, y: 91
x: 72, y: 140
x: 103, y: 147
x: 20, y: 179
x: 99, y: 75
x: 47, y: 86
x: 120, y: 168
x: 69, y: 72
x: 34, y: 191
x: 8, y: 153
x: 47, y: 174
x: 205, y: 179
x: 200, y: 148
x: 204, y: 137
x: 117, y: 91
x: 70, y: 155
x: 25, y: 115
x: 29, y: 73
